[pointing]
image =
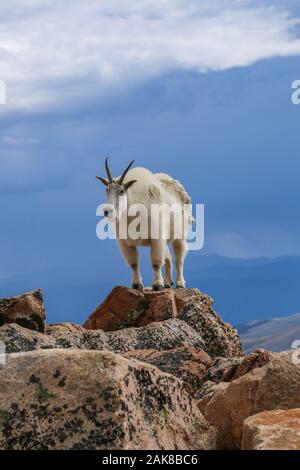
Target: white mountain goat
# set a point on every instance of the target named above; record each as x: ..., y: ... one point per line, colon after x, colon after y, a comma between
x: 156, y: 196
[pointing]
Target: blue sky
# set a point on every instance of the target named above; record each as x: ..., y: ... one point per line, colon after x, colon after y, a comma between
x: 197, y: 89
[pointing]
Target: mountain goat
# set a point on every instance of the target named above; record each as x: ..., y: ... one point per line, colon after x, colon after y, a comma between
x: 166, y: 207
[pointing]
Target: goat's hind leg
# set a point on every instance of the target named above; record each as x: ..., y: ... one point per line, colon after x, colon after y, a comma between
x: 168, y: 279
x: 179, y: 248
x: 131, y: 255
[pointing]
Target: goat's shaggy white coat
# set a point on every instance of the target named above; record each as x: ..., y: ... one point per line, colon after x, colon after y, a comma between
x: 159, y: 189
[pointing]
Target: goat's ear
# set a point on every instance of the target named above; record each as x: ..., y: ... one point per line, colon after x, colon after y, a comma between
x: 129, y: 184
x: 103, y: 180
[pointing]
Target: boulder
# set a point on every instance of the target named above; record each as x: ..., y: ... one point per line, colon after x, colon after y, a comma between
x: 26, y: 310
x: 258, y: 358
x: 72, y: 399
x: 222, y: 369
x: 228, y: 369
x: 272, y: 430
x: 276, y: 385
x: 188, y: 364
x: 19, y: 339
x: 125, y: 307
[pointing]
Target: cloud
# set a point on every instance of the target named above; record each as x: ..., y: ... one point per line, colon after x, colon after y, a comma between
x: 58, y: 52
x: 18, y: 141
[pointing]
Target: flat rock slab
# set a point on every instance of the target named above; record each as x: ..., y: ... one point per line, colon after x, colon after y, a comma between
x: 272, y: 430
x: 73, y: 399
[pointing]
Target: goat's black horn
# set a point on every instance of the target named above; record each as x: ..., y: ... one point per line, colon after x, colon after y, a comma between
x: 109, y: 175
x: 121, y: 179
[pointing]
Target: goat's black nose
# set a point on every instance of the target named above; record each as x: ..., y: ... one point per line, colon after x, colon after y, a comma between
x: 105, y: 213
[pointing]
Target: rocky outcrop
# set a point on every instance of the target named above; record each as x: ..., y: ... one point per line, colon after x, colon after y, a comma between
x: 186, y: 363
x: 26, y: 310
x: 276, y: 385
x: 126, y: 307
x: 161, y: 370
x: 272, y: 430
x: 71, y: 399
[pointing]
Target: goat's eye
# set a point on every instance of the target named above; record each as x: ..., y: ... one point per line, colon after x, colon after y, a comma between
x: 106, y: 190
x: 122, y: 191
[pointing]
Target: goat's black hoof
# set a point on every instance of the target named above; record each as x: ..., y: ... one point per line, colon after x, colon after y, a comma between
x: 180, y: 287
x: 158, y: 287
x: 137, y: 286
x: 168, y: 286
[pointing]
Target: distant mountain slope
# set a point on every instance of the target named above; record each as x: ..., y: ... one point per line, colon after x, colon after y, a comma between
x: 245, y: 290
x: 276, y: 334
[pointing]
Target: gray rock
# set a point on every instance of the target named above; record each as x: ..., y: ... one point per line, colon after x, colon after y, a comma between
x: 168, y: 334
x: 19, y: 339
x: 72, y: 399
x: 220, y: 338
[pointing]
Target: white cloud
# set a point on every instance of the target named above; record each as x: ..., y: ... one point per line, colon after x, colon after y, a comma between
x: 18, y: 141
x: 55, y: 51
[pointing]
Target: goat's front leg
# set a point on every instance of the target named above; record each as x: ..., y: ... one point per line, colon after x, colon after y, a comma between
x: 131, y: 256
x: 158, y: 250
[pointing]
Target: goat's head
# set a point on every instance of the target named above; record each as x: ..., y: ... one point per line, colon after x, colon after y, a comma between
x: 116, y: 191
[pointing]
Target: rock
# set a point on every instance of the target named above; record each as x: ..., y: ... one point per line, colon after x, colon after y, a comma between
x: 276, y: 385
x: 185, y: 297
x: 272, y: 430
x: 222, y: 370
x: 221, y: 339
x: 228, y: 369
x: 258, y: 358
x: 26, y: 310
x: 63, y: 327
x: 126, y: 307
x: 207, y: 388
x: 164, y: 335
x: 71, y: 399
x: 19, y: 339
x: 186, y: 363
x: 168, y: 334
